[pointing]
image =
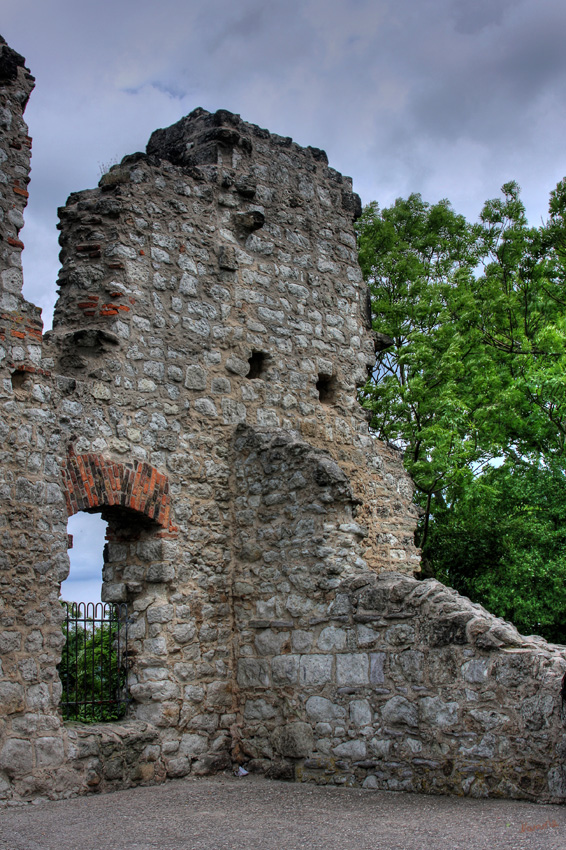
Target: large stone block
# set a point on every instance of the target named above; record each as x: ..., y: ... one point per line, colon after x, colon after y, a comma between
x: 11, y: 697
x: 352, y: 669
x: 399, y: 711
x: 254, y: 673
x: 322, y: 709
x: 437, y: 713
x: 315, y: 670
x: 16, y: 757
x: 49, y: 752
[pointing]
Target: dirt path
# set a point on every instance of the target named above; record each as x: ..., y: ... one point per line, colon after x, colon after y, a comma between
x: 223, y: 813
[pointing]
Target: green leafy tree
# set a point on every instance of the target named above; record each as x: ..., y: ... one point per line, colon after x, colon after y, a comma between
x: 471, y: 324
x: 428, y: 392
x: 503, y: 543
x: 91, y: 677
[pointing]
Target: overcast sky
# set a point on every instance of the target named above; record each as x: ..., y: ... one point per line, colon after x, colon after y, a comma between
x: 450, y: 98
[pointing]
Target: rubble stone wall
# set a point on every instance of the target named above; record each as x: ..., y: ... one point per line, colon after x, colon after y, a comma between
x: 198, y: 389
x: 402, y: 685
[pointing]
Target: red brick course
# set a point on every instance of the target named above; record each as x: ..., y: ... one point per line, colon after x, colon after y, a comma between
x: 92, y: 481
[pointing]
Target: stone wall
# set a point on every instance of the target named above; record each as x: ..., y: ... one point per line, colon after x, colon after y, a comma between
x: 198, y: 389
x: 406, y: 686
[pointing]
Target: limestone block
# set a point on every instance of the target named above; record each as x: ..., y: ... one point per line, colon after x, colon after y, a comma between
x: 206, y: 407
x: 366, y: 636
x: 16, y: 757
x: 253, y: 673
x: 322, y: 709
x: 269, y: 642
x: 399, y: 711
x: 38, y: 697
x: 360, y: 712
x: 155, y: 646
x: 192, y: 745
x: 400, y: 635
x: 377, y: 667
x: 352, y: 669
x: 381, y: 748
x: 537, y: 711
x: 476, y: 670
x: 233, y: 412
x: 285, y: 669
x: 354, y: 750
x: 557, y: 781
x: 204, y: 722
x: 237, y: 366
x: 49, y: 752
x: 489, y: 719
x: 161, y: 572
x: 331, y: 639
x: 193, y: 693
x: 301, y: 641
x: 195, y: 378
x: 10, y: 642
x: 409, y: 664
x: 315, y: 669
x: 219, y: 693
x: 11, y: 697
x: 178, y: 767
x: 259, y: 709
x: 184, y: 632
x: 160, y: 714
x: 435, y: 711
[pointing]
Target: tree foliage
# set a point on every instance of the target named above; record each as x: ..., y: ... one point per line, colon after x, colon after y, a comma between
x: 503, y: 543
x: 90, y: 675
x: 475, y: 371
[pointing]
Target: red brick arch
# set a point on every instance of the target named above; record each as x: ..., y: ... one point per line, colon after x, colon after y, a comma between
x: 92, y: 481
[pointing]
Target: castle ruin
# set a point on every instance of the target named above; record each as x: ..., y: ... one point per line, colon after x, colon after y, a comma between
x: 198, y: 389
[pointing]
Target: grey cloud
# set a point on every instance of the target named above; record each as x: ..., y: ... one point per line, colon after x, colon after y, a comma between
x: 445, y: 97
x: 473, y: 17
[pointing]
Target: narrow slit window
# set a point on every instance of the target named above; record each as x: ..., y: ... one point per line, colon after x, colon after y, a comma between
x: 326, y: 387
x: 21, y: 380
x: 258, y: 363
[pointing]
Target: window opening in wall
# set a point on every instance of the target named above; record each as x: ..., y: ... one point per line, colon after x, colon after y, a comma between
x: 93, y: 660
x: 258, y: 363
x: 21, y: 377
x: 326, y: 386
x: 87, y: 534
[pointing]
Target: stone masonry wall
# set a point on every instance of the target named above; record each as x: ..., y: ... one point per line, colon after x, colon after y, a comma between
x: 402, y: 685
x: 198, y: 389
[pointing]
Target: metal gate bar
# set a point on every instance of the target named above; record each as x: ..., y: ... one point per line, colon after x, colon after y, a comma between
x: 93, y: 662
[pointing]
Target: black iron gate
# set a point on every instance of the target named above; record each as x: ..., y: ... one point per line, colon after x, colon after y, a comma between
x: 93, y: 662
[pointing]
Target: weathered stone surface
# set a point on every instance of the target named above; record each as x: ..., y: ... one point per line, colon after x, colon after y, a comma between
x: 436, y: 712
x: 315, y: 669
x: 295, y: 740
x: 321, y: 709
x: 360, y: 712
x: 399, y: 710
x: 16, y: 757
x: 352, y: 669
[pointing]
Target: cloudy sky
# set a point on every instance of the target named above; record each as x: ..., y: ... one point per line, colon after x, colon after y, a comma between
x: 450, y: 98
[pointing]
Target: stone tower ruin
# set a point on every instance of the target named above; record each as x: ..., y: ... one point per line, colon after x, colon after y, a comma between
x: 198, y: 389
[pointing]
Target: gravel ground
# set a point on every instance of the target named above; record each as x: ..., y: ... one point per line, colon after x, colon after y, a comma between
x: 225, y: 813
